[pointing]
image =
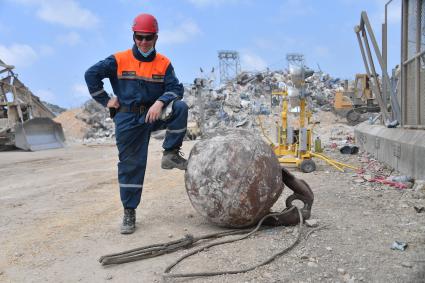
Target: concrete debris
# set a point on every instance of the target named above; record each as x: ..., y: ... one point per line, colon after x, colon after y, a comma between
x: 377, y: 175
x: 419, y: 189
x: 236, y: 104
x: 312, y: 222
x: 419, y: 186
x: 97, y: 117
x: 233, y: 105
x: 74, y: 129
x: 397, y: 245
x: 88, y: 124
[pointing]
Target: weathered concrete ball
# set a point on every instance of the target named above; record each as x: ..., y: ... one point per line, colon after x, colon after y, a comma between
x: 233, y: 178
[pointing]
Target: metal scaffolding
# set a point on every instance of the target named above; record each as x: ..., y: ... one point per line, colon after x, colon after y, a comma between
x: 295, y: 59
x: 230, y: 65
x: 368, y: 43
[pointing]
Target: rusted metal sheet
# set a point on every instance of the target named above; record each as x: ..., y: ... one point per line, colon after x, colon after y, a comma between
x: 233, y: 178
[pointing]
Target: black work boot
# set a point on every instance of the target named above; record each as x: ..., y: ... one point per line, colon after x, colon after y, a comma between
x: 129, y: 221
x: 173, y: 159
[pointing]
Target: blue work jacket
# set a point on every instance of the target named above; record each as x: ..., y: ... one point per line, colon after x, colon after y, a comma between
x: 135, y: 80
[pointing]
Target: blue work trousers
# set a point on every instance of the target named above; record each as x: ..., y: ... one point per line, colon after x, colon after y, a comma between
x: 132, y: 139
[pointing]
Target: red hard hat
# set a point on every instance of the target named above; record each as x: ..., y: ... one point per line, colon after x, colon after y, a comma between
x: 145, y: 23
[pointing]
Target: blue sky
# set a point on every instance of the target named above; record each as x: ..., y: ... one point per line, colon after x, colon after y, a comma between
x: 53, y: 42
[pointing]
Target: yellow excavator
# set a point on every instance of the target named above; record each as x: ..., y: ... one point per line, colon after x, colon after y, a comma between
x: 354, y: 102
x: 25, y: 122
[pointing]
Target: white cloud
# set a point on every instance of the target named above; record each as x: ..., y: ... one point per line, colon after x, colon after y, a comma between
x: 181, y: 33
x: 252, y: 62
x: 71, y: 38
x: 65, y: 12
x: 19, y: 55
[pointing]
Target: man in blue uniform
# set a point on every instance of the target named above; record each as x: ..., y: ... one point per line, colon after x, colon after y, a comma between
x: 148, y: 96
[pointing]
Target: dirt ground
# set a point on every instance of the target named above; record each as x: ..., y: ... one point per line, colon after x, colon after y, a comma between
x: 60, y: 211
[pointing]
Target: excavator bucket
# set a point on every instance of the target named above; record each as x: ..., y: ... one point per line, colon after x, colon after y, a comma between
x: 39, y: 134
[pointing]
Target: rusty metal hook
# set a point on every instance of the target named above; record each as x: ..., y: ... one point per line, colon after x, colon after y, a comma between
x: 302, y: 192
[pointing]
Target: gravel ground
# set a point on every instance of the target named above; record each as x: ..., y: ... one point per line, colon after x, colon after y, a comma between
x: 60, y: 211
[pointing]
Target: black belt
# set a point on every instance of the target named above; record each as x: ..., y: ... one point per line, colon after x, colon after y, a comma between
x: 132, y: 109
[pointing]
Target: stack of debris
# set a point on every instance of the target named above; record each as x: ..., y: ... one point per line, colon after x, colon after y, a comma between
x: 88, y: 124
x: 237, y: 103
x: 322, y: 88
x: 97, y: 117
x: 378, y: 175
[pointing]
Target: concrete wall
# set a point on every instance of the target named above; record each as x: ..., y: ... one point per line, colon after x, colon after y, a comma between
x: 402, y: 149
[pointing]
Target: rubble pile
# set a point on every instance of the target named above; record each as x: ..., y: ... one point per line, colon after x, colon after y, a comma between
x: 237, y: 103
x: 97, y: 118
x: 73, y: 128
x: 322, y: 88
x: 377, y: 175
x: 89, y: 124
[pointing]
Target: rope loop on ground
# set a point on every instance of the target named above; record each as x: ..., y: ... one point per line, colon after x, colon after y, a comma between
x: 167, y: 271
x: 189, y: 241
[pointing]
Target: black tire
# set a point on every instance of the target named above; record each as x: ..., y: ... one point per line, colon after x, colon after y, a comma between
x: 307, y: 166
x: 353, y: 117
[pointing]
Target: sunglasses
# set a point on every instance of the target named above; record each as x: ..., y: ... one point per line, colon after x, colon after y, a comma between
x: 148, y: 37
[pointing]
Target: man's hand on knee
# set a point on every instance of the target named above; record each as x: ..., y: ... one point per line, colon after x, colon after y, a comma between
x: 154, y: 112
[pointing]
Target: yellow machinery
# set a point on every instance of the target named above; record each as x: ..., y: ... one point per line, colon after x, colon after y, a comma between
x: 295, y: 143
x: 25, y: 122
x: 342, y: 103
x: 357, y: 101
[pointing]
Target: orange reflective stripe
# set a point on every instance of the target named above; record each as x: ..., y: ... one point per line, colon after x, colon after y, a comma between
x: 129, y: 68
